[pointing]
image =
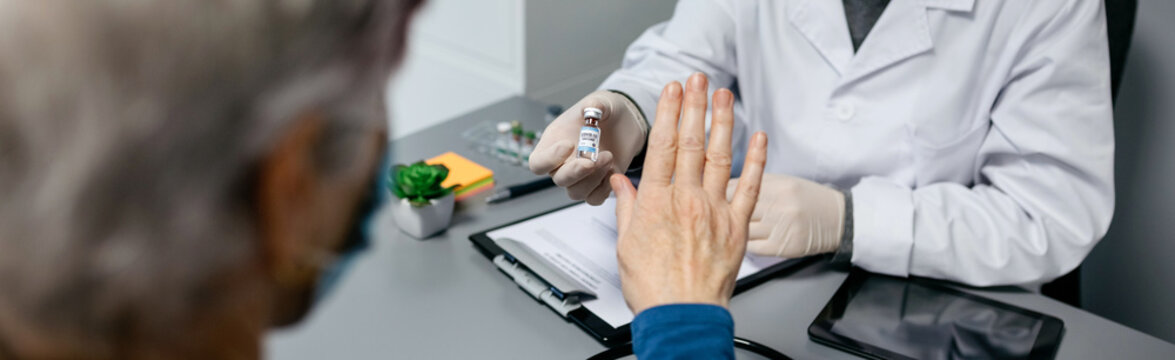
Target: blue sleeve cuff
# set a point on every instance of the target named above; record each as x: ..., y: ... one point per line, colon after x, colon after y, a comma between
x: 683, y: 331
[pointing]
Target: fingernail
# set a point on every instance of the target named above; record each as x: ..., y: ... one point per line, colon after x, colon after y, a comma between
x: 697, y: 81
x: 671, y: 90
x: 723, y: 97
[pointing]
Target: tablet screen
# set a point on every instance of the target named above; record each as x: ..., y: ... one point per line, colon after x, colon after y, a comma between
x: 922, y: 321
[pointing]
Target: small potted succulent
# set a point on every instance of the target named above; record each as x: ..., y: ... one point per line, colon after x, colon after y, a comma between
x: 425, y: 207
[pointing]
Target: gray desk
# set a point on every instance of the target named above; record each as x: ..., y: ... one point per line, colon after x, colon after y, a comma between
x: 440, y: 299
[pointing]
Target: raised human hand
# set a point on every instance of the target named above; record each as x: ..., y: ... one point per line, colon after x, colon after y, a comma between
x: 681, y: 240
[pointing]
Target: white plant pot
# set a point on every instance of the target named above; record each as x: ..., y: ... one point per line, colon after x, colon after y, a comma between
x: 425, y: 221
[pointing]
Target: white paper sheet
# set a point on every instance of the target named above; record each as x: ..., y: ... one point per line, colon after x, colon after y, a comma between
x: 581, y: 240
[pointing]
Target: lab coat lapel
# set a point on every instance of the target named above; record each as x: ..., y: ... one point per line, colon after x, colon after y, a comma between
x: 902, y: 32
x: 822, y: 22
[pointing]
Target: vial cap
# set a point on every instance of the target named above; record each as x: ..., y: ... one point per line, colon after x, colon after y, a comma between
x: 594, y: 113
x: 529, y: 135
x: 503, y: 127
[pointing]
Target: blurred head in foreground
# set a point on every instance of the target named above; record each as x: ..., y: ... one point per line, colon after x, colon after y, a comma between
x: 175, y: 174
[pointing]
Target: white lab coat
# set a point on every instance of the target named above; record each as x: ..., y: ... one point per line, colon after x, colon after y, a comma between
x: 976, y: 136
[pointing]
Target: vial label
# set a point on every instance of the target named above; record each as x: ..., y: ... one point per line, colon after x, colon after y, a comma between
x: 589, y: 139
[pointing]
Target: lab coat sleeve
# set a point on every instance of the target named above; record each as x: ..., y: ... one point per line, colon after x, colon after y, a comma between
x: 1044, y: 192
x: 698, y: 38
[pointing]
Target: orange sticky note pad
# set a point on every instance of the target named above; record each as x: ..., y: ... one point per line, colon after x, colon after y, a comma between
x: 470, y: 177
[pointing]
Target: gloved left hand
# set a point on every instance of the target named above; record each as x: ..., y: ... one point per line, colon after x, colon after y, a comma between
x: 794, y: 217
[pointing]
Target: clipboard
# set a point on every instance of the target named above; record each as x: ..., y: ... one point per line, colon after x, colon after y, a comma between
x: 564, y: 296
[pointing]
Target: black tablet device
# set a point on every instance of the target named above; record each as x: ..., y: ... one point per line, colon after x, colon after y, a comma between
x: 882, y: 317
x: 571, y: 241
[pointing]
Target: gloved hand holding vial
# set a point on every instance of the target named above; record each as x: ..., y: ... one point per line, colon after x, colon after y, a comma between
x: 581, y: 163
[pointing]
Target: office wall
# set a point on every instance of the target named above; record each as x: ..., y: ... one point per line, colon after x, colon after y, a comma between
x: 573, y: 45
x: 462, y: 55
x: 1130, y: 276
x: 467, y: 54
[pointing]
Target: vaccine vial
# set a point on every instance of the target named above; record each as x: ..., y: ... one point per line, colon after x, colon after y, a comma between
x: 502, y: 143
x: 589, y: 134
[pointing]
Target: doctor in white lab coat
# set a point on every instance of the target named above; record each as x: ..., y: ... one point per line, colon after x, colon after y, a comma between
x: 967, y: 140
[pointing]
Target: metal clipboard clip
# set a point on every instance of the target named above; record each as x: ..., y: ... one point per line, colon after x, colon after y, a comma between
x: 539, y: 278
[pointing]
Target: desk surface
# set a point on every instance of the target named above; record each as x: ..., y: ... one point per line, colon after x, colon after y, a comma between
x: 440, y: 299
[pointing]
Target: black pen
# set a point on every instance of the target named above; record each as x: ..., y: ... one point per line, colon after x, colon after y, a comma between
x: 514, y: 191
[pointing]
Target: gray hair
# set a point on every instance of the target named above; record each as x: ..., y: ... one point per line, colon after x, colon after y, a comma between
x: 129, y: 131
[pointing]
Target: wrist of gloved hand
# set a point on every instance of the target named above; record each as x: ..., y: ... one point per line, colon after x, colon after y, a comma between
x: 796, y: 218
x: 639, y: 159
x: 844, y: 254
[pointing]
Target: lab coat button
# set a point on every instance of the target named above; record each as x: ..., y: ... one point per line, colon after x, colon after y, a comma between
x: 845, y: 112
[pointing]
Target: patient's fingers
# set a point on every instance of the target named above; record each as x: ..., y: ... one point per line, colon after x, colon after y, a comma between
x: 747, y: 193
x: 718, y: 153
x: 661, y: 154
x: 691, y: 136
x: 625, y: 197
x: 731, y: 186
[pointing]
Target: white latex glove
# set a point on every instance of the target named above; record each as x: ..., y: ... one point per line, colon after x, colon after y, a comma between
x: 794, y: 217
x: 622, y: 136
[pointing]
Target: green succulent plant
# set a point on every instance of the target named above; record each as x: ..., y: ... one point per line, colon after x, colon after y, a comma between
x: 419, y: 182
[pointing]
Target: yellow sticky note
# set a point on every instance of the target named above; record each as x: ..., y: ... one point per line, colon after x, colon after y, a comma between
x: 464, y: 173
